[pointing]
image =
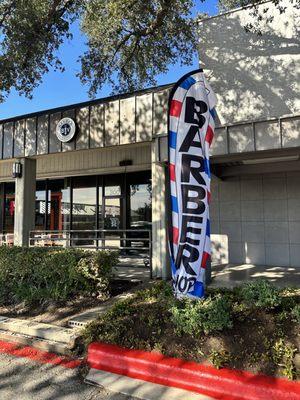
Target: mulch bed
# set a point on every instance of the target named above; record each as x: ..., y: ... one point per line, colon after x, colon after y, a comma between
x: 251, y: 344
x: 58, y: 313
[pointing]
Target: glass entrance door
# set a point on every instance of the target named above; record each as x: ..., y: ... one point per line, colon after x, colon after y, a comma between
x: 112, y: 213
x: 113, y: 210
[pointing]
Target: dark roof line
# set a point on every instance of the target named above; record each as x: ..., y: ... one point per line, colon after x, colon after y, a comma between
x: 233, y: 10
x: 87, y: 103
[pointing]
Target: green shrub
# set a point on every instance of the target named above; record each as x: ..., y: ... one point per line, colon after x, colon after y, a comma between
x: 296, y: 313
x: 96, y: 268
x: 40, y: 274
x: 195, y: 317
x: 261, y: 294
x: 218, y: 358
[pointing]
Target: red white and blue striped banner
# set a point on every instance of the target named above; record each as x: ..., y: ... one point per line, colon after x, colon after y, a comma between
x: 191, y: 131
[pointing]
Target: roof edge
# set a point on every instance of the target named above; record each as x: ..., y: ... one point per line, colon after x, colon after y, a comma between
x: 87, y: 103
x: 233, y: 11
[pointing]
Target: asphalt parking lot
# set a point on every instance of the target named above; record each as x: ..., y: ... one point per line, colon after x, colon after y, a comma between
x: 23, y: 379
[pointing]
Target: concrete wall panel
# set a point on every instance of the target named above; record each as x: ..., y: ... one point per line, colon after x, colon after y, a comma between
x: 236, y: 252
x: 97, y: 126
x: 83, y: 134
x: 275, y: 210
x: 260, y: 217
x: 127, y: 120
x: 252, y: 189
x: 276, y: 232
x: 274, y: 188
x: 230, y: 211
x: 8, y: 140
x: 277, y: 255
x: 112, y: 123
x: 293, y: 209
x: 229, y: 190
x: 54, y: 143
x: 253, y: 231
x: 267, y: 135
x: 144, y: 117
x: 255, y: 253
x: 293, y: 186
x: 6, y: 168
x: 252, y: 210
x: 220, y: 143
x: 294, y: 254
x: 19, y: 138
x: 241, y: 138
x: 232, y: 229
x: 30, y: 137
x: 42, y: 134
x: 160, y: 112
x: 290, y: 132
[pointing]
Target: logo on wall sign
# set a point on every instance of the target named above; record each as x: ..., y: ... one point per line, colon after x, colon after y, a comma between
x: 65, y: 130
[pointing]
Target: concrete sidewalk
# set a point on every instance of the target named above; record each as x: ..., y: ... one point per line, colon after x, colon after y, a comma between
x: 23, y: 379
x: 230, y: 275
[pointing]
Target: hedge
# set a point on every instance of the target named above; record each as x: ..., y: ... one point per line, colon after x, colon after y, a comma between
x: 40, y: 274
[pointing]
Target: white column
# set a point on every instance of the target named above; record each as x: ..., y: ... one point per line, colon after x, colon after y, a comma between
x: 25, y: 202
x: 160, y: 258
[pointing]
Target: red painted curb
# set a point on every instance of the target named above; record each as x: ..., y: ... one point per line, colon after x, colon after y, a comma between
x: 38, y: 355
x: 222, y: 384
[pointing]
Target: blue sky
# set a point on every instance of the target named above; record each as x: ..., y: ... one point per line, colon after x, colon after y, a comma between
x: 59, y: 89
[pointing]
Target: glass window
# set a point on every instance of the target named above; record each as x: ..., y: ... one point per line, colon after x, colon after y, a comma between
x: 84, y: 209
x: 59, y: 199
x: 1, y: 207
x: 140, y: 207
x: 40, y: 205
x: 9, y: 207
x: 100, y: 209
x: 112, y: 216
x: 112, y: 185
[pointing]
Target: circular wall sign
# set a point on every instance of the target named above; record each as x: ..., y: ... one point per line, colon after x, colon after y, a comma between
x: 65, y: 130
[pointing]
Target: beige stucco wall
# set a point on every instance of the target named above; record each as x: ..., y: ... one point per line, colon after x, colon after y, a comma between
x: 253, y: 76
x: 85, y: 162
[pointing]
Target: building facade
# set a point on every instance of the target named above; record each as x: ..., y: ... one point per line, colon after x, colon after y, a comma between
x: 107, y: 178
x: 255, y: 211
x: 106, y: 186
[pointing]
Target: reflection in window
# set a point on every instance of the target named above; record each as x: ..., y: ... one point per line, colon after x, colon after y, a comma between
x: 140, y: 206
x: 112, y: 185
x: 113, y: 190
x: 40, y: 206
x: 112, y: 217
x: 9, y: 208
x: 84, y: 208
x: 59, y: 198
x: 1, y: 207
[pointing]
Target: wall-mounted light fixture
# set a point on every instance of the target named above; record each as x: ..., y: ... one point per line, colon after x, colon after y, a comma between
x: 125, y: 163
x: 17, y: 170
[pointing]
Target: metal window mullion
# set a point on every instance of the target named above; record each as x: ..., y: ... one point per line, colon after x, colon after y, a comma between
x: 46, y: 204
x: 2, y: 206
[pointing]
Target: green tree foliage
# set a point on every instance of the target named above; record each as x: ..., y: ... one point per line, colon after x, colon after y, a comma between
x: 129, y: 42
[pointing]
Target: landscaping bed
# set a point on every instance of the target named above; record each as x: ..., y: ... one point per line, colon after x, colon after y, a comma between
x: 60, y: 312
x: 255, y: 327
x: 52, y: 285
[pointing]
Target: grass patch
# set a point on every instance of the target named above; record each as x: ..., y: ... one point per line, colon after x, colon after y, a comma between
x: 254, y: 327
